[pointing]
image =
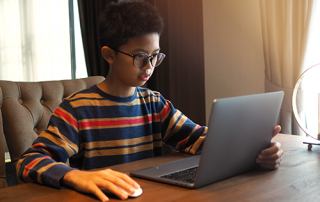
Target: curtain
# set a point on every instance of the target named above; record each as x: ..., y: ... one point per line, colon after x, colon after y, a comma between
x: 34, y: 40
x: 310, y: 83
x: 89, y: 13
x: 313, y: 46
x: 285, y: 26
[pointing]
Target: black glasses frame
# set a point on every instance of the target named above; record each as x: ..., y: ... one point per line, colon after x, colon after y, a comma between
x: 149, y: 58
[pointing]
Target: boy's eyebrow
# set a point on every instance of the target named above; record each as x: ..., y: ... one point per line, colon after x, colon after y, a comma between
x: 142, y: 50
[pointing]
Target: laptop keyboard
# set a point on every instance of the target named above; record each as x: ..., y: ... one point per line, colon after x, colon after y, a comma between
x: 187, y: 175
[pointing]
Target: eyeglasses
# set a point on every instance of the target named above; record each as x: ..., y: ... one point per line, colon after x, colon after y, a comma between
x: 141, y: 59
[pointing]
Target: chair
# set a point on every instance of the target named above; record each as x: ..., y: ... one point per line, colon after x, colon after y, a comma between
x: 27, y: 107
x: 3, y: 182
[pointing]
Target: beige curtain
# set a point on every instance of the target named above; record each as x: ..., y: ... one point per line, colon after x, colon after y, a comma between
x: 285, y: 25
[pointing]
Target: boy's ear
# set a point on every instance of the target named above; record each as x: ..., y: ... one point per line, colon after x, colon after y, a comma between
x: 108, y: 54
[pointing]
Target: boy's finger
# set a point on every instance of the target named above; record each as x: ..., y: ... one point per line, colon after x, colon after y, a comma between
x: 125, y: 178
x: 119, y: 180
x: 268, y: 166
x: 114, y: 189
x: 273, y: 158
x: 276, y: 130
x: 274, y: 148
x: 271, y: 164
x: 98, y: 193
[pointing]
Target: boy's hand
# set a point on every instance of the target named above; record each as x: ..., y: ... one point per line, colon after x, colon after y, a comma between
x: 270, y: 158
x: 92, y: 181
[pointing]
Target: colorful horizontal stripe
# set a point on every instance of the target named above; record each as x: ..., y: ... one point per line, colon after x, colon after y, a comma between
x: 116, y: 122
x: 66, y: 116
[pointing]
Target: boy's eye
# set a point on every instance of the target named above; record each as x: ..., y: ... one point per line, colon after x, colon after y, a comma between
x: 140, y: 56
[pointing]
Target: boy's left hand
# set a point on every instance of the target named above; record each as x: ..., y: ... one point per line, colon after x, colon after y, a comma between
x: 270, y: 158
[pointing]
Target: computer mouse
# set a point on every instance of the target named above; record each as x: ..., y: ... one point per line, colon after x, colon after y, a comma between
x: 137, y: 192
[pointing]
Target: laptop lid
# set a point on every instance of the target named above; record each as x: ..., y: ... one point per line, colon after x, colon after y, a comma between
x: 239, y: 129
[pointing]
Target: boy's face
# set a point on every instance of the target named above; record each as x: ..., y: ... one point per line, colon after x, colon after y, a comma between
x: 123, y: 69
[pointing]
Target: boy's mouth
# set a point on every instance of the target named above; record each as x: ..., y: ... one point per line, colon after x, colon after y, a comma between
x: 144, y: 77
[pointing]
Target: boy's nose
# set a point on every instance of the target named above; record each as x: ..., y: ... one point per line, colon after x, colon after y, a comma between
x: 148, y: 65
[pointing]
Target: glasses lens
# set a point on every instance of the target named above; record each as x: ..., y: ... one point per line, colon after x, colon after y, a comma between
x: 158, y: 59
x: 154, y: 59
x: 140, y: 60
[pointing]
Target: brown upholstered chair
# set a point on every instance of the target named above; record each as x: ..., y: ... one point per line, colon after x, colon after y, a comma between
x: 3, y: 182
x: 27, y: 107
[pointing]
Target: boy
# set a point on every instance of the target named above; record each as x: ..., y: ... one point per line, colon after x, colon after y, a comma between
x: 116, y: 121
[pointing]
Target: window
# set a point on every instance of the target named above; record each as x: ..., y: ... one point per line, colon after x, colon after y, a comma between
x: 81, y: 68
x: 35, y: 40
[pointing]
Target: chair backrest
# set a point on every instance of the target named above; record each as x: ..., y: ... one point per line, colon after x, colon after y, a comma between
x: 3, y: 181
x: 28, y: 106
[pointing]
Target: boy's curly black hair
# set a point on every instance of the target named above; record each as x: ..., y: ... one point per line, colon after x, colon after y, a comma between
x: 121, y: 21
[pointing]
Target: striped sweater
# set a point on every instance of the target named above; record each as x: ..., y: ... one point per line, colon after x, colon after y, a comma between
x: 99, y: 130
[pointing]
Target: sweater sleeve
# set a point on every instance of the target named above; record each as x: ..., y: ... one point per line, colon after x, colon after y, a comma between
x: 44, y: 162
x: 179, y: 132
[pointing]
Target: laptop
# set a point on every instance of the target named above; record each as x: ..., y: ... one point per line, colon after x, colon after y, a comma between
x: 239, y: 129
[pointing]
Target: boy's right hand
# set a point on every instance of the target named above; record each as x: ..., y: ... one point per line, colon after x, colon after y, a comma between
x: 92, y: 181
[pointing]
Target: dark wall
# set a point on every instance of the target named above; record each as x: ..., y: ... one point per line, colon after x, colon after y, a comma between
x: 181, y: 76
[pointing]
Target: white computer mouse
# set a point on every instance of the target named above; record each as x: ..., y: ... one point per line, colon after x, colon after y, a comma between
x: 137, y: 192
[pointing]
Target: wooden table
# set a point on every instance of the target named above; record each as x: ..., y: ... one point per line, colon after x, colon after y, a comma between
x: 297, y: 179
